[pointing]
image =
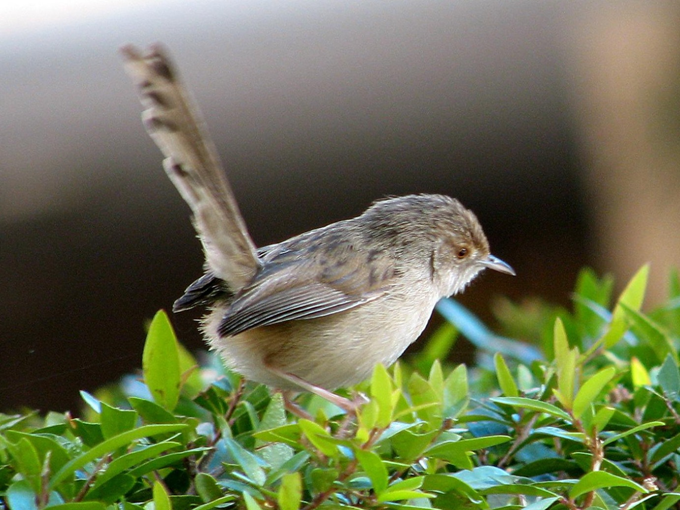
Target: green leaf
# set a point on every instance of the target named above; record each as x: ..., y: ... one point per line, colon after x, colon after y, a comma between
x: 408, y: 484
x: 634, y: 293
x: 544, y: 466
x: 533, y: 405
x: 601, y: 480
x: 447, y: 448
x: 43, y: 445
x: 290, y: 492
x: 665, y: 448
x: 589, y: 288
x: 667, y: 500
x: 112, y: 490
x: 151, y: 412
x: 90, y: 433
x: 639, y: 374
x: 456, y: 392
x: 111, y: 445
x: 669, y: 378
x: 319, y: 437
x: 296, y: 463
x: 216, y: 502
x: 248, y: 461
x: 402, y: 495
x: 425, y: 399
x: 28, y: 463
x: 114, y: 420
x: 541, y: 504
x: 505, y: 380
x: 633, y: 430
x: 286, y: 434
x: 275, y: 453
x: 436, y: 379
x: 207, y: 487
x: 602, y: 417
x: 134, y: 458
x: 381, y: 391
x: 251, y: 504
x: 374, y: 468
x: 161, y: 500
x: 91, y: 401
x: 160, y: 362
x: 458, y: 452
x: 579, y: 437
x: 565, y: 359
x: 591, y: 389
x: 192, y: 384
x: 165, y: 460
x: 654, y: 334
x: 410, y: 445
x: 632, y: 297
x: 448, y: 483
x: 323, y: 478
x: 82, y: 505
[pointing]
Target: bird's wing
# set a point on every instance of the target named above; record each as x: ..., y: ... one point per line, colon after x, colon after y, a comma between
x: 193, y: 165
x: 294, y: 288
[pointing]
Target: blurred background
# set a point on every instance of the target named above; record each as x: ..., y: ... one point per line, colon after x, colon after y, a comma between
x: 557, y: 123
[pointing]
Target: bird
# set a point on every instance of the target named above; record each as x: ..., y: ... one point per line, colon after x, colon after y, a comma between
x: 320, y: 310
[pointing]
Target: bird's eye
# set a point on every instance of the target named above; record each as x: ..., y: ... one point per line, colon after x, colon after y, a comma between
x: 462, y: 253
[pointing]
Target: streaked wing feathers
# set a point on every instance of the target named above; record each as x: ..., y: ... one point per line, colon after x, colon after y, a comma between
x: 307, y: 302
x: 313, y: 275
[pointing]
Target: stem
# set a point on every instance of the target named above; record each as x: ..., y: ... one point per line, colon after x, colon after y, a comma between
x: 90, y: 479
x: 596, y: 449
x: 522, y: 434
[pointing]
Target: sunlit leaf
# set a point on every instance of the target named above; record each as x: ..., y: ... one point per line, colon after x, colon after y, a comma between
x: 161, y: 500
x: 590, y: 390
x: 290, y: 492
x: 374, y: 468
x: 381, y: 391
x: 639, y: 374
x: 632, y: 297
x: 602, y: 417
x: 319, y: 437
x: 161, y: 362
x: 251, y: 504
x: 505, y: 380
x: 456, y: 392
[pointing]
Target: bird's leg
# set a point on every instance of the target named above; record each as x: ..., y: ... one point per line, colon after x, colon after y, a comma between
x: 292, y: 407
x: 350, y: 406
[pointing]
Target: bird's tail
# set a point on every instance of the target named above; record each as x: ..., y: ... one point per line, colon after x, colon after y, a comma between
x: 192, y: 163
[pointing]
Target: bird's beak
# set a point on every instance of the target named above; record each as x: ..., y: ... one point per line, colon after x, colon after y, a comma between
x: 497, y: 265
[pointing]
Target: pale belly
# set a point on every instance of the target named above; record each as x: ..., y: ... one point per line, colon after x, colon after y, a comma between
x: 330, y: 352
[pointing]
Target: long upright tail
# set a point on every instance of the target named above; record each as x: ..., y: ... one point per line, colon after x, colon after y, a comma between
x: 193, y: 165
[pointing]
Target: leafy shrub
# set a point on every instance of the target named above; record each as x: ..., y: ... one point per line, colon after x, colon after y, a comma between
x: 581, y: 410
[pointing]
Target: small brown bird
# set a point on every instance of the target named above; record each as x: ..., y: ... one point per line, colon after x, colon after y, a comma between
x: 320, y: 310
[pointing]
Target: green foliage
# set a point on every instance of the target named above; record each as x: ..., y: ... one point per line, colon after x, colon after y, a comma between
x: 580, y: 410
